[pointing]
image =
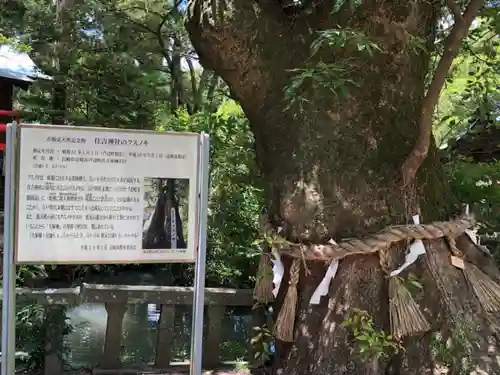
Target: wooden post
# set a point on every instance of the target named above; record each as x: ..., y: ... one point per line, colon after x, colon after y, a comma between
x: 165, y: 336
x: 112, y: 342
x: 6, y: 90
x: 54, y: 323
x: 211, y: 352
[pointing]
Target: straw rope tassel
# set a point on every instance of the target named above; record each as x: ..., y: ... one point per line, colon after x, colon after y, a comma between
x: 284, y: 328
x: 263, y: 290
x: 486, y: 290
x: 405, y: 315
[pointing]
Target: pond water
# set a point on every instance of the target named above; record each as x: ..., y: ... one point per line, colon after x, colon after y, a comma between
x: 86, y: 341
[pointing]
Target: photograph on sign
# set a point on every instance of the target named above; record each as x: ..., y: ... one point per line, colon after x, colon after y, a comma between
x: 97, y: 195
x: 165, y: 214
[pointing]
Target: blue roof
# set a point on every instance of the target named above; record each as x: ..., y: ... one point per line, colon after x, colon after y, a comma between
x: 18, y: 66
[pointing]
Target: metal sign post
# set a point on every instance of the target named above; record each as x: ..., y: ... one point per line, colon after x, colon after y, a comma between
x: 199, y: 278
x: 9, y: 267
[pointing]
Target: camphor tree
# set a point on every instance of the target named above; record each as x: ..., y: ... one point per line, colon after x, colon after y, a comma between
x: 340, y: 95
x: 157, y: 233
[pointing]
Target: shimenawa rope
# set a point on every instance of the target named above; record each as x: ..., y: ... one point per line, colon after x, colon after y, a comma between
x: 375, y: 242
x: 405, y: 314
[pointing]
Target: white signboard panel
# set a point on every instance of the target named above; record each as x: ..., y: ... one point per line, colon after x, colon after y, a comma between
x: 96, y: 195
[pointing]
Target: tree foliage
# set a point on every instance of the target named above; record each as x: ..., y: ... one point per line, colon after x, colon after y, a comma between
x: 469, y: 116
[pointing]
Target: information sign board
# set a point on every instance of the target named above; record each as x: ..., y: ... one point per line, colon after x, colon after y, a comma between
x: 97, y: 195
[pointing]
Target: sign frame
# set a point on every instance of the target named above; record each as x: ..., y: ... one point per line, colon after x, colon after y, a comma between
x: 193, y: 244
x: 10, y: 238
x: 8, y: 360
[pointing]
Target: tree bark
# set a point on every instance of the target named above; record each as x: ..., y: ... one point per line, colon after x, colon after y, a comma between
x: 332, y: 166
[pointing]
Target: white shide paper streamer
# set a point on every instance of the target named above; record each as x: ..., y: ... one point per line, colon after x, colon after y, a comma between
x: 472, y: 233
x: 417, y: 248
x: 278, y: 271
x: 324, y: 285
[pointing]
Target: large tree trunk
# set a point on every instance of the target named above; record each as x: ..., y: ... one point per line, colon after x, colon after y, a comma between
x: 332, y: 166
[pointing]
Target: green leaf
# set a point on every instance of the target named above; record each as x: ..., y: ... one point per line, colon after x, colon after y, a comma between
x: 416, y: 284
x: 265, y: 346
x: 256, y: 339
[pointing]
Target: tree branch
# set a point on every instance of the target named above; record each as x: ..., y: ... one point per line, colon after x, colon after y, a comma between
x: 455, y: 9
x: 192, y: 76
x: 474, y: 54
x: 251, y: 36
x: 451, y: 48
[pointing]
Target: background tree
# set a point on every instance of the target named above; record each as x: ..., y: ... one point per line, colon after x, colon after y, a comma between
x: 119, y: 76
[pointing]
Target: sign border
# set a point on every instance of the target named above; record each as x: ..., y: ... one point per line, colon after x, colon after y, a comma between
x: 17, y: 163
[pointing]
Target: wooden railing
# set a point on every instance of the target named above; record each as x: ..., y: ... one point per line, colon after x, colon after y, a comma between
x: 116, y: 298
